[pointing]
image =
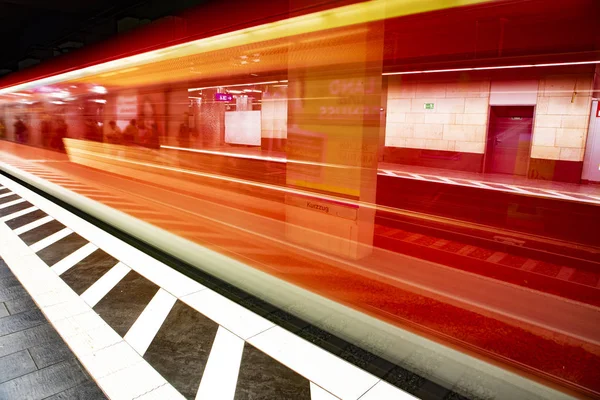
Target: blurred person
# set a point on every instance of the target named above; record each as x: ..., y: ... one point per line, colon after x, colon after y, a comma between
x: 46, y: 130
x: 114, y: 134
x: 154, y: 136
x: 184, y: 131
x: 130, y: 133
x: 143, y: 135
x: 92, y: 131
x: 21, y: 131
x: 2, y: 129
x: 60, y: 132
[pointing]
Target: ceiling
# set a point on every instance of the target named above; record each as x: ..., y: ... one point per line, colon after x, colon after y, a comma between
x: 36, y: 30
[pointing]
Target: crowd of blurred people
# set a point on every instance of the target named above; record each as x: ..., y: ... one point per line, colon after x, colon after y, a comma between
x: 53, y: 129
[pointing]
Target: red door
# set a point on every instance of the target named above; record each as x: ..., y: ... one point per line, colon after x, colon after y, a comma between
x: 509, y: 139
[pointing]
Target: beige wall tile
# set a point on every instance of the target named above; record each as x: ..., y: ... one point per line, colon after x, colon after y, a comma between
x: 398, y: 106
x: 560, y: 86
x: 571, y: 154
x: 476, y: 106
x: 415, y: 143
x: 455, y: 105
x: 417, y: 118
x: 569, y: 137
x: 475, y: 119
x: 547, y: 121
x: 436, y: 144
x: 418, y: 105
x: 563, y: 105
x: 439, y: 118
x: 545, y: 152
x: 541, y: 108
x: 574, y: 121
x: 470, y: 147
x: 544, y: 136
x: 394, y: 141
x: 428, y: 89
x: 396, y: 117
x: 428, y: 131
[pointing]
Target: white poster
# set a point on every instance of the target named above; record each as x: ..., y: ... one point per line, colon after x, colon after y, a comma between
x: 242, y: 127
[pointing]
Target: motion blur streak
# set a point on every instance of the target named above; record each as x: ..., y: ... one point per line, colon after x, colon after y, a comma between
x: 419, y: 178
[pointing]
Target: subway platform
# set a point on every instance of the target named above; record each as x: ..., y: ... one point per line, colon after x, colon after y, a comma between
x: 106, y: 320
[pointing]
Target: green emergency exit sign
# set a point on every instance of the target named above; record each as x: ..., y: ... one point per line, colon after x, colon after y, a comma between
x: 428, y: 106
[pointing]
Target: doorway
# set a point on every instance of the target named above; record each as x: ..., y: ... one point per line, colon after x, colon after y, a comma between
x: 509, y: 140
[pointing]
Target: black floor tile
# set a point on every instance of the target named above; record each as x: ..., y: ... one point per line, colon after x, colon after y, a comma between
x: 405, y: 380
x: 13, y: 209
x: 41, y: 232
x: 86, y: 391
x: 44, y: 382
x: 262, y: 377
x: 59, y: 250
x: 3, y: 310
x: 50, y: 353
x: 20, y: 304
x: 12, y: 292
x: 25, y: 219
x: 181, y: 347
x: 126, y: 301
x: 10, y: 198
x: 83, y: 274
x: 4, y: 190
x: 22, y: 340
x: 21, y: 321
x: 4, y: 270
x: 9, y: 281
x: 15, y: 365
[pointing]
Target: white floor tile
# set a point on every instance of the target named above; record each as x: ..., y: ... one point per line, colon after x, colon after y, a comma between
x: 142, y: 332
x: 228, y: 314
x: 318, y: 393
x: 384, y: 391
x: 32, y: 225
x: 69, y: 261
x: 47, y: 241
x: 165, y: 392
x: 6, y: 194
x: 111, y: 360
x: 317, y: 365
x: 102, y: 286
x: 222, y: 368
x: 131, y: 382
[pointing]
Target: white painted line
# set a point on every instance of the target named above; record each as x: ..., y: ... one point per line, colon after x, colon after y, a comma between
x: 228, y: 314
x: 220, y: 375
x: 482, y: 185
x: 388, y: 172
x: 6, y: 194
x: 69, y: 261
x: 560, y: 195
x: 517, y: 189
x: 384, y: 391
x: 102, y: 286
x: 11, y: 203
x: 18, y: 214
x: 32, y: 225
x: 419, y: 177
x: 47, y: 241
x: 317, y: 365
x: 318, y: 393
x: 143, y: 330
x: 446, y: 180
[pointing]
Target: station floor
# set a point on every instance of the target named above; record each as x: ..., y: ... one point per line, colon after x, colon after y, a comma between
x: 135, y: 328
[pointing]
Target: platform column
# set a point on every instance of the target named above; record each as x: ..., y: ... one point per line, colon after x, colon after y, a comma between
x: 333, y: 139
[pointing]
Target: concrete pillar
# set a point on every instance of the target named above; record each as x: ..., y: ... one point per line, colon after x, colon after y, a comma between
x: 333, y: 138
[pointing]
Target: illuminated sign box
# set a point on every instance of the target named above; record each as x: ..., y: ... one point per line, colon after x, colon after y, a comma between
x: 223, y: 97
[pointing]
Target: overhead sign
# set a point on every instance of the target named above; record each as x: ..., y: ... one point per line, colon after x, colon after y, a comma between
x: 223, y: 97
